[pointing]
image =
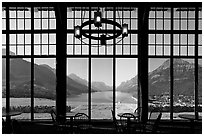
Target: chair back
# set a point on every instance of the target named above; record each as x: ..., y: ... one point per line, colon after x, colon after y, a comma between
x: 81, y: 118
x: 138, y: 112
x: 115, y: 123
x: 156, y: 123
x: 53, y: 115
x: 154, y: 113
x: 125, y: 116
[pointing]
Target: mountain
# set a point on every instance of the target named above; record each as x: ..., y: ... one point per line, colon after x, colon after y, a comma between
x: 78, y: 79
x: 97, y: 86
x: 50, y: 68
x: 159, y: 79
x: 44, y: 80
x: 101, y: 86
x: 129, y: 86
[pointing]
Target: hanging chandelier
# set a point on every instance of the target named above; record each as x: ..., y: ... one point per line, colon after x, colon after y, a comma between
x: 98, y: 21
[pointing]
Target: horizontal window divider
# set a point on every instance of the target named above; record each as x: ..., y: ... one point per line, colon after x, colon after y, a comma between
x: 29, y: 56
x: 175, y: 32
x: 109, y: 31
x: 103, y: 56
x: 28, y: 44
x: 29, y: 31
x: 165, y: 56
x: 103, y: 4
x: 160, y: 18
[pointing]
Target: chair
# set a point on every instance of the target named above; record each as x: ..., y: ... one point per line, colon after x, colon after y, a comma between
x: 3, y: 126
x: 82, y: 124
x: 138, y: 113
x: 125, y: 119
x: 152, y: 127
x: 61, y: 127
x: 118, y: 125
x: 16, y: 127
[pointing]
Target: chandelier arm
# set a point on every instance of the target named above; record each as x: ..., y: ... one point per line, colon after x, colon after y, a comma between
x: 84, y: 16
x: 119, y: 17
x: 83, y: 41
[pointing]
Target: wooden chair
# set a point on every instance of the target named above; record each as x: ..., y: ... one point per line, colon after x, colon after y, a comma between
x: 127, y: 120
x: 138, y: 112
x: 3, y: 126
x: 117, y: 124
x: 60, y: 127
x: 82, y: 123
x: 152, y: 126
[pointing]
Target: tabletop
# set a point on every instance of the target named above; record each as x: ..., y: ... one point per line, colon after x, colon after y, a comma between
x: 189, y: 116
x: 11, y: 113
x: 120, y: 114
x: 71, y: 114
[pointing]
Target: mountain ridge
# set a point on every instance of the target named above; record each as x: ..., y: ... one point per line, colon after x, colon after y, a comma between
x: 45, y: 80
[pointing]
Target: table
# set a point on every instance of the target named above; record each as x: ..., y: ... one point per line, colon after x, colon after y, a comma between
x: 132, y: 115
x: 71, y: 115
x: 8, y: 126
x: 191, y: 118
x: 11, y: 113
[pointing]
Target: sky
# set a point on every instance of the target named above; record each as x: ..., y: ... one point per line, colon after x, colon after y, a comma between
x: 102, y: 69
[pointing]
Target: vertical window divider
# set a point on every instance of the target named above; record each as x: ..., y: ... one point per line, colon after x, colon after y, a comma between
x: 7, y: 63
x: 81, y: 24
x: 98, y: 35
x: 171, y: 65
x: 24, y: 29
x: 155, y: 13
x: 114, y: 62
x: 163, y: 35
x: 16, y: 33
x: 32, y: 63
x: 73, y: 36
x: 130, y: 29
x: 41, y: 31
x: 106, y: 32
x: 122, y: 23
x: 187, y: 33
x: 180, y: 34
x: 196, y: 63
x: 89, y: 93
x: 48, y: 35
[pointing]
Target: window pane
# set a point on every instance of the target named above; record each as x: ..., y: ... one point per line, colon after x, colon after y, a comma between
x: 200, y: 86
x: 102, y: 90
x: 184, y: 79
x: 77, y: 85
x: 159, y: 85
x: 20, y: 77
x: 127, y: 87
x: 44, y: 87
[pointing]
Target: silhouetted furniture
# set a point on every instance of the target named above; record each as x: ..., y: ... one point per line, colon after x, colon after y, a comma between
x: 126, y: 118
x: 152, y: 126
x: 11, y: 113
x: 8, y: 123
x: 60, y: 126
x: 192, y: 119
x: 82, y: 123
x: 70, y: 115
x: 3, y: 126
x: 137, y: 112
x: 16, y: 127
x: 118, y: 126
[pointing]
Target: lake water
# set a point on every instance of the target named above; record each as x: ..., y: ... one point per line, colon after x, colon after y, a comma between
x: 101, y: 104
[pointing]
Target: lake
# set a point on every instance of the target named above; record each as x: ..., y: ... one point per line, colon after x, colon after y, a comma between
x: 101, y: 104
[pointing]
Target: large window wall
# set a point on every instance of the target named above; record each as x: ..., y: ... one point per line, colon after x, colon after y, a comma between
x: 101, y: 78
x: 175, y: 58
